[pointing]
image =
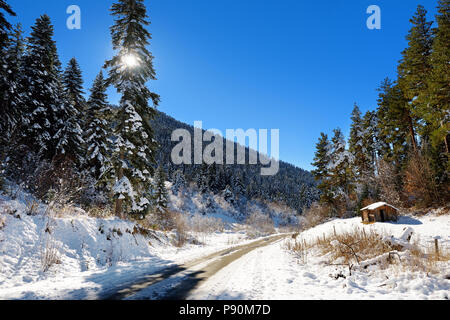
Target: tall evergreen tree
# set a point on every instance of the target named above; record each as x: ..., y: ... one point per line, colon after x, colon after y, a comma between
x: 179, y: 182
x: 437, y: 111
x: 414, y: 68
x: 42, y: 80
x: 341, y: 175
x: 129, y: 71
x: 5, y: 26
x: 161, y: 197
x: 6, y: 114
x: 12, y: 96
x: 69, y: 138
x: 394, y: 125
x: 356, y: 146
x: 73, y: 86
x: 98, y: 129
x: 321, y: 163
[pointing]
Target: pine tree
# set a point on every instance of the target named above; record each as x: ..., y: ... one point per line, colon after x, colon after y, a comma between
x: 356, y: 146
x: 436, y: 113
x: 7, y: 116
x: 98, y: 129
x: 321, y: 162
x: 212, y: 178
x: 238, y: 185
x: 42, y: 80
x: 179, y: 182
x: 394, y: 125
x: 129, y: 71
x: 5, y: 26
x: 228, y: 195
x: 414, y: 68
x: 69, y: 138
x: 202, y: 179
x: 12, y: 97
x: 341, y: 176
x: 161, y: 197
x: 73, y: 86
x: 369, y: 142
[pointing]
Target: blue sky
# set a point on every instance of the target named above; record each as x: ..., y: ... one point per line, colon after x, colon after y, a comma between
x: 294, y: 65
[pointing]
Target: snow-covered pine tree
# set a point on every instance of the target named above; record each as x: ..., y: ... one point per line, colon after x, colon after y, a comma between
x: 369, y: 141
x: 42, y: 80
x: 212, y: 178
x: 98, y: 129
x: 228, y: 195
x: 7, y: 114
x: 129, y: 72
x: 238, y: 185
x: 179, y: 182
x: 12, y: 98
x: 322, y: 160
x: 69, y: 138
x: 202, y: 179
x: 341, y: 175
x: 73, y: 86
x: 161, y: 197
x: 361, y: 146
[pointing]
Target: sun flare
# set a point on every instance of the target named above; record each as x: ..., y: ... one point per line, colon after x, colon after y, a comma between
x: 130, y: 60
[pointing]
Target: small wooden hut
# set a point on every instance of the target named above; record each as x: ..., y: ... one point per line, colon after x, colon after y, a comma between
x: 379, y: 212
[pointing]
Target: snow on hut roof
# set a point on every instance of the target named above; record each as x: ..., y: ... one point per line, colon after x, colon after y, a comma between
x: 377, y: 205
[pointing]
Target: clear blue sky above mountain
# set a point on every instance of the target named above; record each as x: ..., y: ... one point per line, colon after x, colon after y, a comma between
x: 294, y: 65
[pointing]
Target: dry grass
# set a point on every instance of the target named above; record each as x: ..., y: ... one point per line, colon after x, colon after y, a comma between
x: 2, y: 221
x: 49, y: 255
x: 100, y: 212
x: 260, y: 225
x: 181, y: 226
x: 315, y: 215
x: 32, y: 207
x: 205, y: 225
x: 358, y: 246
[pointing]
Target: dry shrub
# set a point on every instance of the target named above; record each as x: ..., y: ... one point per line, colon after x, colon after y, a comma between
x: 100, y: 212
x: 181, y: 227
x: 354, y: 246
x: 32, y: 207
x: 49, y: 255
x: 419, y: 180
x: 260, y: 225
x: 206, y: 225
x: 315, y: 215
x: 388, y: 182
x: 2, y: 221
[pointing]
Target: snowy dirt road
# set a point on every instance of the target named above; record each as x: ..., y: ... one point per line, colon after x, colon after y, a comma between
x: 178, y: 282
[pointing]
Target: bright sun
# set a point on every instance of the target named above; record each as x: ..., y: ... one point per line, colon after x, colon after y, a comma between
x: 130, y: 60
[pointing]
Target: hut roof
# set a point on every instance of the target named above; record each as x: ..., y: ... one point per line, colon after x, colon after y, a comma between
x: 378, y: 205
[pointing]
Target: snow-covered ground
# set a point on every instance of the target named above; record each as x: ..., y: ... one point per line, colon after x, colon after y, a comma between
x: 93, y: 257
x: 274, y: 272
x: 90, y: 255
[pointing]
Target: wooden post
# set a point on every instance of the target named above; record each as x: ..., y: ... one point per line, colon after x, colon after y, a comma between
x: 436, y: 247
x: 335, y: 234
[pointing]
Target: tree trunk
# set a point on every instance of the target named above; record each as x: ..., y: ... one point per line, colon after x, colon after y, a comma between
x: 446, y: 143
x: 412, y: 134
x: 119, y: 202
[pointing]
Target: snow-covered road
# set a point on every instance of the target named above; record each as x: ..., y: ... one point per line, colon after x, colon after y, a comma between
x: 274, y: 273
